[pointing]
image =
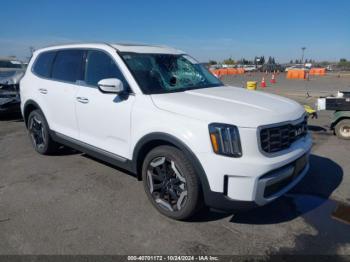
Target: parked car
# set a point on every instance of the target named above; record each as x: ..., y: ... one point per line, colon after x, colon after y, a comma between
x: 308, y: 65
x: 272, y: 68
x: 11, y: 71
x: 295, y: 67
x: 214, y: 67
x: 158, y: 113
x: 329, y: 68
x: 250, y: 68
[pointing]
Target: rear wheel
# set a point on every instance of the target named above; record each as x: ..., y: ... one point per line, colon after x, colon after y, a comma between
x: 171, y: 183
x: 39, y: 135
x: 342, y: 129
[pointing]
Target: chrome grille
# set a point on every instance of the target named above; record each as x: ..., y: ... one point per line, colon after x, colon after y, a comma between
x: 277, y: 138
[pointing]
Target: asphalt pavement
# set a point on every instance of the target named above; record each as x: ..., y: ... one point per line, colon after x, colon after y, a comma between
x: 72, y: 204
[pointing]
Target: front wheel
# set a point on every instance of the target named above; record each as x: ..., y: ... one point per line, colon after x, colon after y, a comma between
x: 342, y: 129
x: 171, y: 183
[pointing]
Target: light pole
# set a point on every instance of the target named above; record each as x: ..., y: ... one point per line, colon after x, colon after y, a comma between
x: 302, y: 54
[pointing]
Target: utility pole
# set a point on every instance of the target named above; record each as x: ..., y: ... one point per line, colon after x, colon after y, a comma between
x: 302, y: 54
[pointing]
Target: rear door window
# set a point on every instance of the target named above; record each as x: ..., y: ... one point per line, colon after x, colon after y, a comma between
x: 68, y: 66
x: 42, y: 66
x: 101, y: 66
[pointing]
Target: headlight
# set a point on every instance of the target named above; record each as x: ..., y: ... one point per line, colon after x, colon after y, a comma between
x: 225, y: 140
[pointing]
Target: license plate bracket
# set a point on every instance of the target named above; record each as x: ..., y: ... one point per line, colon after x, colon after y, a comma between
x: 300, y: 164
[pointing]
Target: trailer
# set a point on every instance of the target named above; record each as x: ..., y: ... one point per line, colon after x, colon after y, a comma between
x: 340, y: 104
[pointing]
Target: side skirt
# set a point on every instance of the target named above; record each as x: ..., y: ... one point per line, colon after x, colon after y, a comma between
x: 93, y: 151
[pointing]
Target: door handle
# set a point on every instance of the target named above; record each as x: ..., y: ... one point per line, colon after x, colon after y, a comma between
x: 82, y: 100
x: 43, y: 91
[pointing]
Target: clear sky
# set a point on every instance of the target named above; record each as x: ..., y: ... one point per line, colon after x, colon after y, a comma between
x: 214, y: 29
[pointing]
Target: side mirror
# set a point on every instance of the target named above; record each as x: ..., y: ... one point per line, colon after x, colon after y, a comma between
x: 111, y: 85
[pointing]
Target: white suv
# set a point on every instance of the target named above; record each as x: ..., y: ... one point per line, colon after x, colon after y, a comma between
x: 158, y: 113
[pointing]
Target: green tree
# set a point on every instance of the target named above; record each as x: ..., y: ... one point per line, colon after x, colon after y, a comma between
x: 212, y: 62
x: 229, y: 61
x: 259, y: 60
x: 344, y: 64
x: 262, y: 60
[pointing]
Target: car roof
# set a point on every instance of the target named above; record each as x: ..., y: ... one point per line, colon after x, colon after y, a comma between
x: 122, y: 47
x: 143, y: 48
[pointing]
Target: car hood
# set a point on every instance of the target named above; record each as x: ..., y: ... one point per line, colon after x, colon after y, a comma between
x: 231, y: 105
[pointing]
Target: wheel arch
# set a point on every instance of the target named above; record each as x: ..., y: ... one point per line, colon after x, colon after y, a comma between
x: 339, y: 118
x: 29, y: 106
x: 150, y: 141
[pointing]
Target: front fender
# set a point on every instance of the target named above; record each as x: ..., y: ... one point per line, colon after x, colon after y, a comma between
x: 180, y: 145
x: 338, y: 116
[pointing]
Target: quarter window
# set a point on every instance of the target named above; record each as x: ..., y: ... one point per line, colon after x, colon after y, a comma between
x: 100, y: 66
x: 43, y: 64
x: 68, y: 65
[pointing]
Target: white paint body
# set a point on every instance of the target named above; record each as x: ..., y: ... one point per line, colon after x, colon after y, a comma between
x: 116, y: 125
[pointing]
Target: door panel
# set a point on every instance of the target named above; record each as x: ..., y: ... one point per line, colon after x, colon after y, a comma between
x: 61, y: 104
x: 61, y: 91
x: 103, y: 119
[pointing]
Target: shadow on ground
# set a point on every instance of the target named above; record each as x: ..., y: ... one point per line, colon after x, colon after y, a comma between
x: 329, y: 235
x: 310, y: 201
x: 11, y: 116
x: 110, y: 165
x: 65, y: 151
x: 314, y: 128
x: 311, y: 193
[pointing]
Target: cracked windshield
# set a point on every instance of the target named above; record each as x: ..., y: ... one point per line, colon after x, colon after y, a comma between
x: 164, y: 73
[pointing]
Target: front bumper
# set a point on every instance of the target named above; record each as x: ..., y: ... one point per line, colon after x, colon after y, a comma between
x: 277, y: 182
x: 283, y: 179
x: 9, y: 99
x: 255, y: 179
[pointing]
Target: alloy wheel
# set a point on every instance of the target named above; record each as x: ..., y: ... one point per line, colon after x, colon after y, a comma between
x: 166, y: 184
x: 36, y: 131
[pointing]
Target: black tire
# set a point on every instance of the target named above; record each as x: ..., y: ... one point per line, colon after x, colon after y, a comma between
x: 183, y: 181
x: 38, y: 131
x: 342, y: 129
